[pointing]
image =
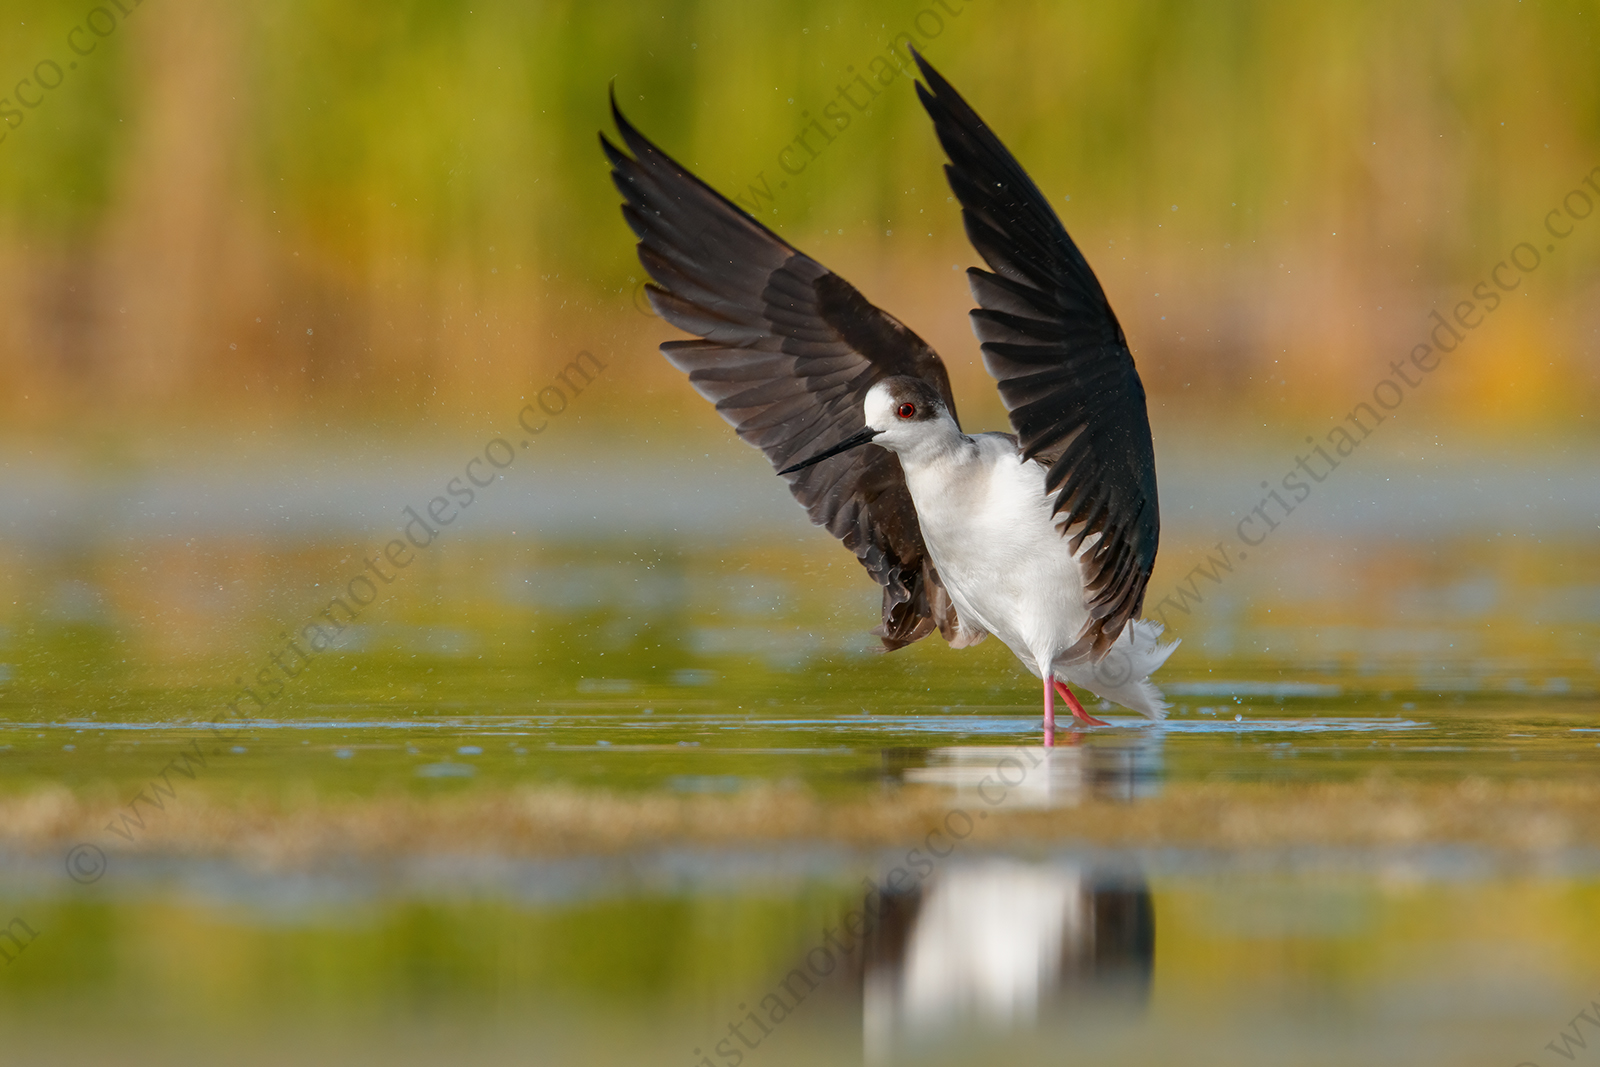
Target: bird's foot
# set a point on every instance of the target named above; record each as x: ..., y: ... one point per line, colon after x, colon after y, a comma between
x: 1077, y: 708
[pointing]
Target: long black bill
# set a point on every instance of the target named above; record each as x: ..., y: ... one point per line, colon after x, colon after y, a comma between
x: 855, y: 440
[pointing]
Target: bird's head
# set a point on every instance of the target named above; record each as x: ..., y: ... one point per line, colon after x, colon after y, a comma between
x: 900, y: 412
x: 903, y: 411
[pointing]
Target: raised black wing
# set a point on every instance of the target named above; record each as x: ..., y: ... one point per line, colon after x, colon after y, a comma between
x: 787, y: 353
x: 1066, y: 376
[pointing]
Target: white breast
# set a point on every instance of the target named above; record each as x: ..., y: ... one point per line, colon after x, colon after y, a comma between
x: 987, y: 524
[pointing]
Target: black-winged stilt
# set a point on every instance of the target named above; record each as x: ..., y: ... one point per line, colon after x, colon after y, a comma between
x: 1046, y: 537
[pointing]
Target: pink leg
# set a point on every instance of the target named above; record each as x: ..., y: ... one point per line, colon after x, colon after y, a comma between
x: 1049, y: 714
x: 1077, y: 708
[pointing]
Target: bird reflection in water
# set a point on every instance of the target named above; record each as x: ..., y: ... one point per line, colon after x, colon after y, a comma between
x: 1114, y: 767
x: 1002, y: 945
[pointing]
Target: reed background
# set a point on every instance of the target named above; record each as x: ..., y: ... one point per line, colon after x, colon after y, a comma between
x: 290, y: 212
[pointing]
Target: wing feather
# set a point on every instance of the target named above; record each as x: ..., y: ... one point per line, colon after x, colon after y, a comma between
x: 1062, y: 365
x: 787, y: 351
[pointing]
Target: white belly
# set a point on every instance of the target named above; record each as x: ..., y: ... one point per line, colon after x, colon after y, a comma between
x: 986, y: 521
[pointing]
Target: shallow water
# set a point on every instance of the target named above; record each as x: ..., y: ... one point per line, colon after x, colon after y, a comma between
x: 1335, y: 850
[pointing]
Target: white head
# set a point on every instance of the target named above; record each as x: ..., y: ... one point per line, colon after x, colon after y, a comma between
x: 901, y: 414
x: 906, y: 412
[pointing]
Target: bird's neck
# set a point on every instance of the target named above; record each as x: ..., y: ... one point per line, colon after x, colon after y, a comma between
x: 941, y: 444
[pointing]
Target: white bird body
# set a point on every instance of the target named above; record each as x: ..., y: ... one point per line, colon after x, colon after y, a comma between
x: 986, y: 516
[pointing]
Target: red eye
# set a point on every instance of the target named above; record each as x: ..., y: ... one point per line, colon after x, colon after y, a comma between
x: 905, y: 411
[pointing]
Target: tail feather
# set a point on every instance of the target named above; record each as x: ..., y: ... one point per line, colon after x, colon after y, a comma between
x: 1123, y: 674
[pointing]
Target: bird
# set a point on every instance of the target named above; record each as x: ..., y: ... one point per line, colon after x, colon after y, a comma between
x: 1045, y: 536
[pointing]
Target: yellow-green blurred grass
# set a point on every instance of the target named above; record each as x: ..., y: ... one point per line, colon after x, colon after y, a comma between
x: 304, y: 209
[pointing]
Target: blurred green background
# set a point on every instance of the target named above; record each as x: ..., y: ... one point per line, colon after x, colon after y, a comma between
x: 285, y: 210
